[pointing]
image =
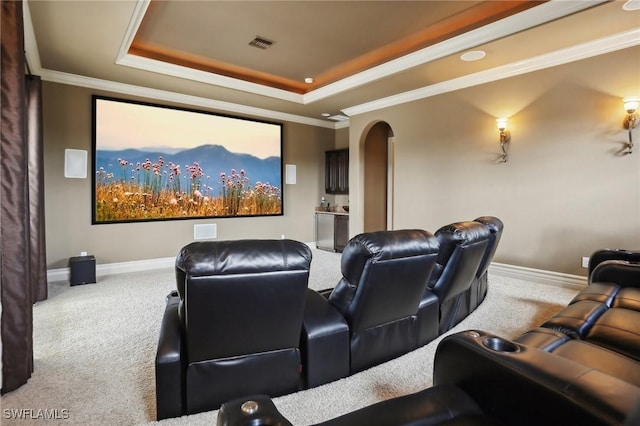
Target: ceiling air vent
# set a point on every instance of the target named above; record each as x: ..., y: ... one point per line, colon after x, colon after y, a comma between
x: 338, y: 117
x: 261, y: 43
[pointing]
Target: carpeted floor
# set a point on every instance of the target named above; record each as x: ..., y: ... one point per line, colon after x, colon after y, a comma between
x: 94, y: 349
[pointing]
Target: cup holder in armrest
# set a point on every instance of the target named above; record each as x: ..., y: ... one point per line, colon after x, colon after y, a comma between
x: 500, y: 345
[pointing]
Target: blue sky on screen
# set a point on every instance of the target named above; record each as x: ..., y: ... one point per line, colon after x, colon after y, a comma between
x: 123, y: 125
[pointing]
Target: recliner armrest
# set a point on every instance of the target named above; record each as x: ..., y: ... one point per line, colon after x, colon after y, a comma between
x: 576, y: 319
x: 428, y: 318
x: 438, y: 405
x: 543, y: 338
x: 432, y: 406
x: 527, y: 386
x: 169, y: 363
x: 325, y: 342
x: 602, y: 255
x: 256, y: 410
x: 621, y: 272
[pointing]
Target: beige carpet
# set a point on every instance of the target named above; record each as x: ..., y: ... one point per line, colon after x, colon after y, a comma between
x: 94, y: 349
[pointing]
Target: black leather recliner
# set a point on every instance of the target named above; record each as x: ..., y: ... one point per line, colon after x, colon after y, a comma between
x: 462, y: 249
x: 605, y: 254
x: 600, y: 326
x: 243, y: 320
x: 385, y: 276
x: 579, y: 367
x: 234, y: 325
x: 482, y: 379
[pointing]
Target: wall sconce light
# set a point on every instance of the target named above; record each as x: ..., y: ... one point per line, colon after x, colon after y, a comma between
x: 631, y: 119
x: 505, y: 137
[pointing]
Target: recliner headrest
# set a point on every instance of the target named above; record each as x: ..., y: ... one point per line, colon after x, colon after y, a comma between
x: 459, y: 233
x: 242, y: 257
x: 385, y: 245
x: 494, y: 224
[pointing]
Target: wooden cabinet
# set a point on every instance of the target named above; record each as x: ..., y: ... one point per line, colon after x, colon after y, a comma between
x: 336, y: 177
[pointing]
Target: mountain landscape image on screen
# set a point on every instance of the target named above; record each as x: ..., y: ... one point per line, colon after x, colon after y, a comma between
x: 169, y: 183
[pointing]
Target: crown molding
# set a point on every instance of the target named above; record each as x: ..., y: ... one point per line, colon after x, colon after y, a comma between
x: 529, y: 18
x: 341, y: 124
x: 134, y: 24
x: 164, y: 95
x: 559, y: 57
x: 31, y: 50
x: 545, y: 12
x: 33, y: 58
x: 548, y: 11
x: 166, y: 68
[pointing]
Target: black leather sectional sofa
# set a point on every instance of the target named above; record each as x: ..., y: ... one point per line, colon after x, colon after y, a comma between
x: 243, y: 320
x: 580, y: 367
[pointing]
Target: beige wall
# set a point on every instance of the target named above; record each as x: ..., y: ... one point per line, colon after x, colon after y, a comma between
x: 67, y: 124
x: 342, y: 138
x: 564, y: 191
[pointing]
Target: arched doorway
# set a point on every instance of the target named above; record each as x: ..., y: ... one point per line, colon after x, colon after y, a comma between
x: 378, y: 178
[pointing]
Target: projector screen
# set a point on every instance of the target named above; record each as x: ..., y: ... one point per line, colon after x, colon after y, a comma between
x: 154, y: 162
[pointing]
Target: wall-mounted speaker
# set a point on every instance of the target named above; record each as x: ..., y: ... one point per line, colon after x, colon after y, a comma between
x: 75, y: 163
x: 290, y: 174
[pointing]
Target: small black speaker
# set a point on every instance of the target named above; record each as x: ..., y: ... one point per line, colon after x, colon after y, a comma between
x: 83, y: 270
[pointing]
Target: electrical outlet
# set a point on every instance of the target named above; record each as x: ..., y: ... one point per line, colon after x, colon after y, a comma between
x: 585, y: 262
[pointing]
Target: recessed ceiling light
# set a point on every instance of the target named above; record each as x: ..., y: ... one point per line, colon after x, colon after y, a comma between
x: 308, y: 80
x: 474, y: 55
x: 631, y: 5
x: 325, y: 114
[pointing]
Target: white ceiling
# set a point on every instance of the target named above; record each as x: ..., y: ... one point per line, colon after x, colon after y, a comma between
x: 86, y: 43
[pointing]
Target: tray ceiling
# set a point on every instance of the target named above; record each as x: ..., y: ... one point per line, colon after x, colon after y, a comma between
x: 362, y: 55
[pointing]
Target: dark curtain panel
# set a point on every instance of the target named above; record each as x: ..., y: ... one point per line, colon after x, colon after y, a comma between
x: 18, y: 290
x: 37, y: 246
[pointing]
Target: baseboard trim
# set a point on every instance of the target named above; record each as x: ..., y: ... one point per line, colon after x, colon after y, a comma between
x: 62, y: 274
x: 500, y: 269
x: 538, y: 275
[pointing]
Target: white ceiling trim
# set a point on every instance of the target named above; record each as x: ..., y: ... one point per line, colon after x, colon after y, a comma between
x: 529, y: 18
x: 583, y: 51
x: 31, y: 45
x: 160, y: 67
x: 134, y: 23
x: 341, y: 124
x: 33, y: 58
x: 164, y: 95
x: 180, y: 71
x: 575, y: 53
x: 545, y: 12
